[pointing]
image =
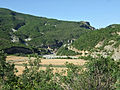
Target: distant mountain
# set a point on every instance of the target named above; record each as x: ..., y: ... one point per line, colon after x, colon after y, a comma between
x: 38, y: 34
x: 104, y: 41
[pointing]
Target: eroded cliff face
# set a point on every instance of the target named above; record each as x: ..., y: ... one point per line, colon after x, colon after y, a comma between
x: 107, y: 50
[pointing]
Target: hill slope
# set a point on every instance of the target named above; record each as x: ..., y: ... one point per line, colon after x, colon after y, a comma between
x: 89, y: 40
x: 29, y: 31
x: 103, y: 41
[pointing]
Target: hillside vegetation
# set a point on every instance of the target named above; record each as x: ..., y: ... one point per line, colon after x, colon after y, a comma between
x: 89, y: 40
x: 29, y: 31
x: 104, y: 41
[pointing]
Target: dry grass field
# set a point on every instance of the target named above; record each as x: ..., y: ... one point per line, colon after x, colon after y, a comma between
x: 58, y: 64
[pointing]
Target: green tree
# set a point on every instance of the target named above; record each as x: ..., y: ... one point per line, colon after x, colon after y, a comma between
x: 34, y: 77
x: 103, y: 73
x: 7, y: 73
x: 97, y: 74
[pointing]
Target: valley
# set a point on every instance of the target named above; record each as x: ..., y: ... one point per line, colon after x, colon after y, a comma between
x: 39, y: 53
x: 57, y: 64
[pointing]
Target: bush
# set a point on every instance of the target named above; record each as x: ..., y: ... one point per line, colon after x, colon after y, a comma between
x: 97, y: 74
x: 7, y: 73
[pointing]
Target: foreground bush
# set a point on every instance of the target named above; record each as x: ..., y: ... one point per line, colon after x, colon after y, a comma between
x: 7, y: 73
x: 97, y: 74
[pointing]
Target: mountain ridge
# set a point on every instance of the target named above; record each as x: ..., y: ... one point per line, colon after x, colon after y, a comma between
x: 29, y: 31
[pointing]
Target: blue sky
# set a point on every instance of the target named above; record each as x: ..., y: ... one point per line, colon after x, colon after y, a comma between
x: 100, y: 13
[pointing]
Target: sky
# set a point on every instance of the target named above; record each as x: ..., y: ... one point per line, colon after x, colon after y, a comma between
x: 100, y: 13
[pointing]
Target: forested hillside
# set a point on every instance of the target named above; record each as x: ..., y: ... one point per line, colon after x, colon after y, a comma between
x: 22, y: 30
x: 89, y: 40
x: 102, y: 41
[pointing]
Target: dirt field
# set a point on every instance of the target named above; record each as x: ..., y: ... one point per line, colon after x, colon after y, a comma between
x: 58, y: 63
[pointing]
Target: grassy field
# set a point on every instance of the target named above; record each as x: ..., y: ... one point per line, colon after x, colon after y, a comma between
x: 57, y: 64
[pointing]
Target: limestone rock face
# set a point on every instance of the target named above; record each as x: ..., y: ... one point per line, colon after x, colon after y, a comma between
x: 14, y: 39
x: 108, y: 49
x: 28, y: 39
x: 116, y: 54
x: 86, y: 25
x: 14, y: 30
